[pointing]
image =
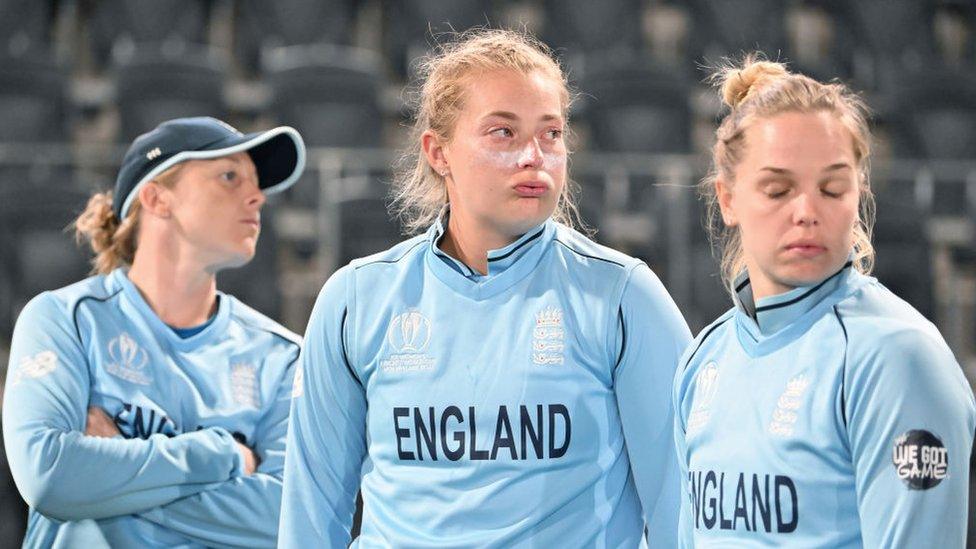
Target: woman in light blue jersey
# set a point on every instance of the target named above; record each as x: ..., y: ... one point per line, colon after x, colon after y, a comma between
x: 144, y: 408
x: 499, y: 380
x: 821, y: 410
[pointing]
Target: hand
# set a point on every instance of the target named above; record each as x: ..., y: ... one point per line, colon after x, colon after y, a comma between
x: 99, y: 424
x: 250, y: 459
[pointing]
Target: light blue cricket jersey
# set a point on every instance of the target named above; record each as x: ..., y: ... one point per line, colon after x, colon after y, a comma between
x: 526, y: 408
x: 174, y: 478
x: 828, y: 416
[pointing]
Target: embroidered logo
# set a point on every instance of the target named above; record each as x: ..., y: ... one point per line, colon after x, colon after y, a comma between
x: 785, y: 414
x: 706, y: 385
x: 548, y: 337
x: 921, y: 460
x: 244, y: 385
x: 153, y: 154
x: 127, y: 360
x: 39, y: 365
x: 408, y: 335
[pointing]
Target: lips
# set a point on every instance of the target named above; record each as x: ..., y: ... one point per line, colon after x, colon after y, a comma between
x: 531, y: 189
x: 805, y: 248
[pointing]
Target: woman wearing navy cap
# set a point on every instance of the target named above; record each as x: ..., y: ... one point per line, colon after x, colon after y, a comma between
x: 143, y: 408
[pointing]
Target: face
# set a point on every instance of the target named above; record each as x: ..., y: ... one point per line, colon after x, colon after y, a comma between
x: 794, y: 200
x: 216, y: 207
x: 506, y: 159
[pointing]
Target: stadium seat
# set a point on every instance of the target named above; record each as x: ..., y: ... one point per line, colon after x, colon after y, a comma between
x: 153, y: 87
x: 638, y: 107
x: 586, y: 27
x: 260, y: 25
x: 32, y: 100
x: 25, y: 27
x: 116, y: 27
x: 729, y: 28
x: 413, y: 26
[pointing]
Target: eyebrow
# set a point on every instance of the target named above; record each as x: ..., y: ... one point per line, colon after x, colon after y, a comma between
x: 830, y: 168
x: 513, y: 117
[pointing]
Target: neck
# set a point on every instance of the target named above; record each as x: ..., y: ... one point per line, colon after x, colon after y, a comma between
x: 469, y: 242
x: 180, y: 290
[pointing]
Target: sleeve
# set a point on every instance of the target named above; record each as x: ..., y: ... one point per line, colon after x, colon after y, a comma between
x: 685, y: 530
x: 327, y: 436
x: 244, y: 511
x: 910, y: 416
x: 66, y: 475
x: 652, y: 335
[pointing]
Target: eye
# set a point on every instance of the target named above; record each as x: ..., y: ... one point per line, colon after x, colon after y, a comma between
x: 502, y: 132
x: 776, y: 191
x: 554, y: 133
x: 228, y: 176
x: 834, y: 190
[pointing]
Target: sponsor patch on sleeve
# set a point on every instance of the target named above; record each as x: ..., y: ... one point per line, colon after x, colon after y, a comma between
x: 921, y: 460
x: 39, y: 365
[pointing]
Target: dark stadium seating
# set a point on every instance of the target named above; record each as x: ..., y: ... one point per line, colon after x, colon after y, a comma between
x: 25, y: 27
x: 411, y: 27
x: 261, y: 25
x: 122, y: 25
x: 153, y: 87
x: 32, y: 100
x: 584, y: 27
x: 891, y: 35
x: 638, y: 107
x: 331, y: 95
x: 729, y: 28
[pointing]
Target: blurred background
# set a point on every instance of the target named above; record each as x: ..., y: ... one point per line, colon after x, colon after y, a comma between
x: 79, y: 79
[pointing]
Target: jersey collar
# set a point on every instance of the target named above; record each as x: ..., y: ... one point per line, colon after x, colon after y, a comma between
x: 163, y: 332
x: 772, y: 314
x: 505, y: 265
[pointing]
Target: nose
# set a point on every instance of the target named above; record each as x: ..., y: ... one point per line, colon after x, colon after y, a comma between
x: 256, y: 198
x: 531, y: 155
x: 805, y: 210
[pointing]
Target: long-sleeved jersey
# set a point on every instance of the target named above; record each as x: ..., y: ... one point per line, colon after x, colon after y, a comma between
x: 828, y: 416
x: 173, y: 478
x: 527, y: 407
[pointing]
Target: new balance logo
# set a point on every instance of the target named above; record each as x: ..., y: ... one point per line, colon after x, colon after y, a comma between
x: 154, y: 154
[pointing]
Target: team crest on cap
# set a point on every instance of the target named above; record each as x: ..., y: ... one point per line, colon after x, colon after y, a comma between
x: 154, y: 154
x: 408, y: 335
x: 39, y: 365
x: 127, y: 360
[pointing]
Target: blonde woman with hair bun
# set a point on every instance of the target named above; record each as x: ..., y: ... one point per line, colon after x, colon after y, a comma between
x: 499, y: 380
x: 821, y: 410
x: 144, y: 408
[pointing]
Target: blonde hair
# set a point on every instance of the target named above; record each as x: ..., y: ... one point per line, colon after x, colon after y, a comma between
x: 419, y: 193
x: 113, y: 242
x: 757, y: 88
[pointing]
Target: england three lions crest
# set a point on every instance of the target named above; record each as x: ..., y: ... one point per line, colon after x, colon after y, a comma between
x: 548, y: 337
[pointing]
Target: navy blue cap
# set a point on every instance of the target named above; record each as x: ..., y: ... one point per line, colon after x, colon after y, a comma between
x: 278, y: 154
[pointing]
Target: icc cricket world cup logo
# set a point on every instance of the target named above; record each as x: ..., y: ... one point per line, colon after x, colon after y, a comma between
x: 409, y: 332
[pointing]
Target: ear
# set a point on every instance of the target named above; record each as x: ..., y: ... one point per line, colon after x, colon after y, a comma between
x: 724, y: 193
x: 156, y: 200
x: 434, y: 151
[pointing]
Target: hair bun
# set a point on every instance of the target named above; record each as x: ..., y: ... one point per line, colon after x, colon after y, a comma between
x: 738, y: 83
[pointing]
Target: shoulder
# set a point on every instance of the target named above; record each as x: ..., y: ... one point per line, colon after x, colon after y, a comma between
x: 877, y: 322
x: 256, y: 323
x: 64, y: 302
x: 583, y: 252
x: 708, y: 337
x: 398, y: 255
x: 889, y: 342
